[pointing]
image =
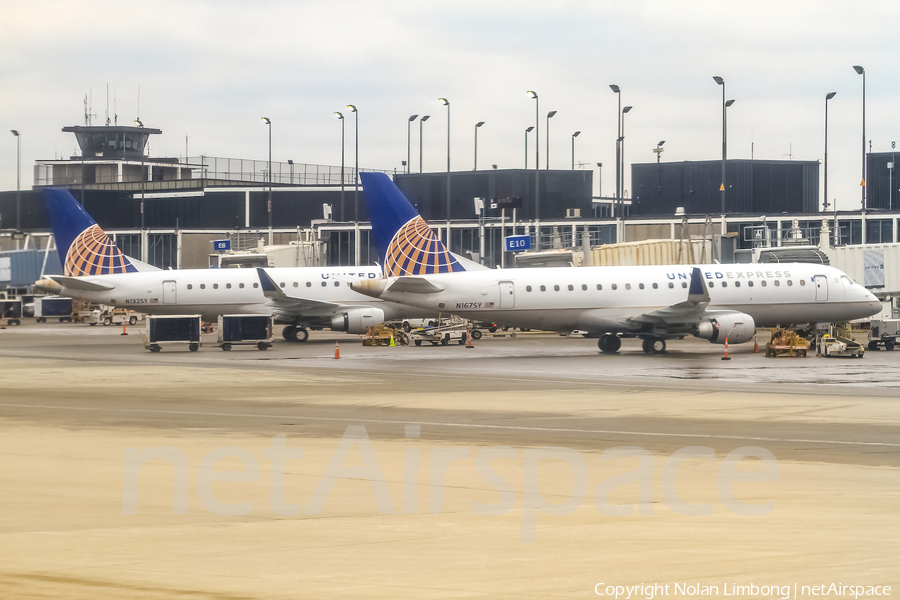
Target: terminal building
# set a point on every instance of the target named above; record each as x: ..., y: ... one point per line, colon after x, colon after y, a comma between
x: 170, y: 211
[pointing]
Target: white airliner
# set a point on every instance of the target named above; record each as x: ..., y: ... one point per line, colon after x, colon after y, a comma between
x: 303, y: 298
x: 655, y: 303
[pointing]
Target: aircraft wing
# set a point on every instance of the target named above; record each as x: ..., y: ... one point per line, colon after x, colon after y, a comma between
x: 285, y: 304
x: 691, y: 310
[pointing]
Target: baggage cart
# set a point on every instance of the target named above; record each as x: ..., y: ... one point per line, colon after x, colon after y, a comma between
x: 172, y: 330
x: 245, y: 330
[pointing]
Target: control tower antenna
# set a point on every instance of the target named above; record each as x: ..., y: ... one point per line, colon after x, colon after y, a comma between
x: 107, y: 104
x: 139, y: 103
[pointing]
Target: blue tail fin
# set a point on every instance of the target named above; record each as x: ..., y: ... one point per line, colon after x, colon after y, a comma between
x: 406, y: 245
x: 84, y: 248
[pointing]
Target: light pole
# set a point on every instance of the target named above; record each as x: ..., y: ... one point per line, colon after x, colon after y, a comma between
x: 721, y: 82
x: 659, y: 151
x: 408, y: 126
x: 18, y: 184
x: 862, y: 184
x: 574, y: 135
x: 269, y: 125
x: 356, y: 168
x: 625, y: 111
x: 616, y: 90
x: 477, y: 125
x: 291, y: 163
x: 143, y: 143
x: 828, y: 97
x: 422, y: 120
x: 340, y: 117
x: 537, y: 164
x: 550, y: 115
x: 527, y: 131
x: 446, y: 103
x: 891, y: 179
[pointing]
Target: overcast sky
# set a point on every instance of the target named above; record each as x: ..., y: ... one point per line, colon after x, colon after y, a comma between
x: 209, y: 70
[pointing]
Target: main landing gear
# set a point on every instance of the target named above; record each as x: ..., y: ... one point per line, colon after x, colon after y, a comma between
x: 609, y: 344
x: 292, y: 333
x: 654, y: 345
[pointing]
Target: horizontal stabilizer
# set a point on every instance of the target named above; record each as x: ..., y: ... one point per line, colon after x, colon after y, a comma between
x: 414, y: 285
x: 78, y: 283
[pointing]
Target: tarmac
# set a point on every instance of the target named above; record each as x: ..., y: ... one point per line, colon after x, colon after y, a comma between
x: 524, y: 467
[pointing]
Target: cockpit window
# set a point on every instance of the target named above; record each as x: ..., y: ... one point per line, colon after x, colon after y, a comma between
x: 846, y: 280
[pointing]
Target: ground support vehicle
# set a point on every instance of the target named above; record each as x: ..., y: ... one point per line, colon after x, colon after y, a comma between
x: 385, y: 335
x: 52, y: 307
x: 116, y: 316
x: 884, y: 332
x: 839, y: 342
x: 786, y: 342
x: 448, y: 330
x: 11, y: 312
x: 245, y: 330
x: 172, y: 330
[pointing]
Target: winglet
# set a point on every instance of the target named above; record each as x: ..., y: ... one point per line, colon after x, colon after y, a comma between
x: 406, y: 244
x: 84, y: 248
x: 697, y: 292
x: 269, y: 287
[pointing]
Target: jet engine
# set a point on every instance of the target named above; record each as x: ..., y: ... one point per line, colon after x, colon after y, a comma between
x: 737, y: 327
x: 357, y: 320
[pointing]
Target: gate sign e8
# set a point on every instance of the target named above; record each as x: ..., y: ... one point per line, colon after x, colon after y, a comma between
x: 222, y: 245
x: 517, y: 243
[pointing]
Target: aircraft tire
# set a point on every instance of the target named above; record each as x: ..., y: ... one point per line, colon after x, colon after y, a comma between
x: 301, y: 334
x: 288, y: 333
x: 609, y: 344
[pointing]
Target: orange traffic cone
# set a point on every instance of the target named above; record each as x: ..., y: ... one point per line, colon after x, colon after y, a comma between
x: 337, y: 350
x: 726, y: 350
x: 124, y: 320
x: 755, y: 346
x: 469, y: 340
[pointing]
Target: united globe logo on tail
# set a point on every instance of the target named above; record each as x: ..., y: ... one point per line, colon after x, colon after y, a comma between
x: 93, y: 253
x: 415, y: 250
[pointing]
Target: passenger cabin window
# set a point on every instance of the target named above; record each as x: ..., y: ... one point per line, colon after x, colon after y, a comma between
x: 584, y: 287
x: 640, y: 286
x: 571, y: 287
x: 256, y: 285
x: 215, y: 286
x: 802, y: 282
x: 599, y: 286
x: 749, y: 284
x: 241, y: 285
x: 281, y: 284
x: 724, y: 284
x: 627, y: 286
x: 671, y: 285
x: 684, y: 284
x: 324, y: 283
x: 202, y: 286
x: 777, y: 283
x: 615, y: 287
x: 790, y: 282
x: 555, y: 288
x: 763, y: 283
x: 308, y: 284
x: 737, y: 284
x: 296, y: 284
x: 655, y: 286
x: 712, y: 284
x: 190, y: 287
x: 527, y: 288
x: 227, y: 286
x: 543, y: 288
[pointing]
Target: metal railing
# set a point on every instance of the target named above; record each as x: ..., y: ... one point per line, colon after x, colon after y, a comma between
x: 257, y: 171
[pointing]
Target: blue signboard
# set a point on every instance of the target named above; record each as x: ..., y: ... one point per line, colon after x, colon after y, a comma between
x: 222, y: 245
x: 517, y: 243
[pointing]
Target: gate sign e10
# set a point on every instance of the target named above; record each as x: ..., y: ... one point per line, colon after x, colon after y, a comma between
x: 222, y: 245
x: 517, y: 243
